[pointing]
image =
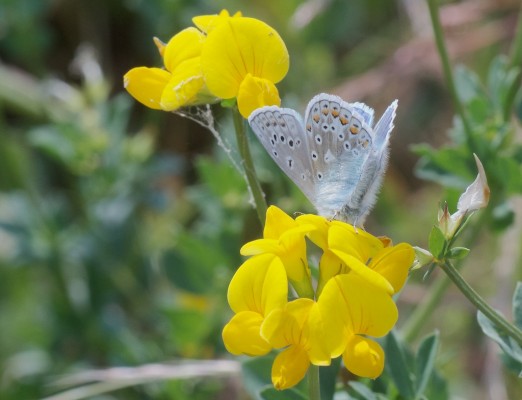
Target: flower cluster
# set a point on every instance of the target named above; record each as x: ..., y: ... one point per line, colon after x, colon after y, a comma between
x: 358, y: 275
x: 224, y: 57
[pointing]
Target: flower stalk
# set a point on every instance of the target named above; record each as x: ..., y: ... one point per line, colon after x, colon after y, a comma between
x: 448, y: 74
x: 248, y: 165
x: 480, y: 303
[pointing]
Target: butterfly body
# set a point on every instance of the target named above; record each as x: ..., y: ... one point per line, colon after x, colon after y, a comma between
x: 334, y: 156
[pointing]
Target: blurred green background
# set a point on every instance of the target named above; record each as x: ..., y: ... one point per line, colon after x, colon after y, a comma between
x: 120, y: 227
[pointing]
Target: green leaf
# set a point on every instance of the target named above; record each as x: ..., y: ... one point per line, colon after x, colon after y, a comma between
x: 458, y: 253
x: 446, y: 166
x: 288, y: 394
x: 436, y: 242
x: 506, y: 343
x: 496, y: 80
x: 468, y: 84
x: 437, y: 388
x: 328, y: 378
x: 398, y: 368
x: 425, y: 362
x: 363, y: 390
x: 517, y: 305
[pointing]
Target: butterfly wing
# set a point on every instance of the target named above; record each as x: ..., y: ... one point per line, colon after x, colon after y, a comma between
x: 281, y: 132
x: 339, y: 143
x: 336, y: 158
x: 365, y: 193
x: 376, y: 164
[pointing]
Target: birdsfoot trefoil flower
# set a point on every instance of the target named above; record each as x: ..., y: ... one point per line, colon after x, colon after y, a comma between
x: 225, y: 57
x: 352, y: 302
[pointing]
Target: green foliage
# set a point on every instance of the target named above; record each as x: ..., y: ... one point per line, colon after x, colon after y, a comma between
x: 491, y: 137
x: 512, y: 350
x: 118, y: 238
x: 437, y: 242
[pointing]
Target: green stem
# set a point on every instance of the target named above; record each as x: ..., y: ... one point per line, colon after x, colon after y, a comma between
x: 413, y: 326
x: 314, y: 389
x: 516, y: 49
x: 248, y: 166
x: 480, y: 303
x: 448, y: 74
x: 515, y: 62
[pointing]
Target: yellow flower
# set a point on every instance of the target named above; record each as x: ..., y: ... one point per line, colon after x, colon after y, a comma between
x: 351, y: 309
x: 348, y: 310
x: 295, y: 327
x: 285, y: 238
x: 181, y: 83
x: 206, y: 23
x: 346, y: 249
x: 244, y: 58
x: 258, y: 287
x: 358, y: 275
x: 227, y: 57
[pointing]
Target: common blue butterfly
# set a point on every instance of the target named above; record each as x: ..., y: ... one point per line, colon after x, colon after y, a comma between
x: 335, y: 157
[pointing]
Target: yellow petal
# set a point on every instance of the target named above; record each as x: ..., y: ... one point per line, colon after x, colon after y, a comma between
x: 277, y: 222
x: 320, y: 234
x: 160, y: 45
x: 394, y: 264
x: 364, y: 272
x: 208, y: 22
x: 284, y: 327
x: 146, y: 85
x: 242, y: 335
x: 364, y: 357
x: 240, y: 46
x: 319, y: 346
x: 329, y: 266
x: 289, y: 367
x: 260, y: 246
x: 185, y: 86
x: 255, y: 93
x: 350, y: 305
x: 260, y: 284
x: 361, y: 244
x: 183, y: 46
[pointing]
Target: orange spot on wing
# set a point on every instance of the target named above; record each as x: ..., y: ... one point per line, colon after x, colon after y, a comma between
x: 343, y: 120
x: 316, y: 118
x: 354, y: 130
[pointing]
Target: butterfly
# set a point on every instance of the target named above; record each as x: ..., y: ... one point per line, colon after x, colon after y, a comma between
x: 335, y: 156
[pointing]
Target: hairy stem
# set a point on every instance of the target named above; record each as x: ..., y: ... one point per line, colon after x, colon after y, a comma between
x: 480, y: 303
x: 248, y: 166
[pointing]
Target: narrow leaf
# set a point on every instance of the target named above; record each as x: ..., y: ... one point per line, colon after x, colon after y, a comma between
x: 397, y: 366
x: 328, y: 379
x: 508, y: 345
x: 363, y: 390
x: 425, y: 361
x: 517, y: 305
